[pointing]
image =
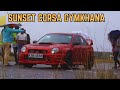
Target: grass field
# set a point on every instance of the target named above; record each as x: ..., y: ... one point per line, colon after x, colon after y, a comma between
x: 103, y: 61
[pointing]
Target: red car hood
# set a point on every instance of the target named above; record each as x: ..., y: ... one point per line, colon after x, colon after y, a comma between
x: 47, y: 46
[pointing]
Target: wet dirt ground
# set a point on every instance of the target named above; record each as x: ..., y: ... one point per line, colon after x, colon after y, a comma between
x: 46, y: 72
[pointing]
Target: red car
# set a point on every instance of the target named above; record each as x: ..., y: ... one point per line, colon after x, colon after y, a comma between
x: 55, y: 49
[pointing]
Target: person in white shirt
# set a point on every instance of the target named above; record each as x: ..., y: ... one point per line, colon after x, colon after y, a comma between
x: 21, y: 40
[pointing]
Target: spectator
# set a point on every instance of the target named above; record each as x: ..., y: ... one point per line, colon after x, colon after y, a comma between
x: 15, y: 48
x: 1, y: 44
x: 7, y: 40
x: 21, y: 40
x: 116, y: 51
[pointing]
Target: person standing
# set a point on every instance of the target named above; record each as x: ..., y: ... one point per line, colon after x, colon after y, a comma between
x: 15, y: 48
x: 14, y: 45
x: 7, y: 40
x: 21, y: 40
x: 116, y: 51
x: 114, y: 38
x: 1, y: 45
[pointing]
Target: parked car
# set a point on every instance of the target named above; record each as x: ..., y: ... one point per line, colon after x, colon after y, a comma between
x: 64, y: 49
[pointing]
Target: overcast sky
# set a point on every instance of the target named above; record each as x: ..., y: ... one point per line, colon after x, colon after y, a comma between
x: 97, y: 30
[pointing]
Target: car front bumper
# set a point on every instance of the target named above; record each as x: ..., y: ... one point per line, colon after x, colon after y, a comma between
x: 48, y: 59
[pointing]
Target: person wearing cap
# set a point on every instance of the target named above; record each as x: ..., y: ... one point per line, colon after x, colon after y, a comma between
x: 7, y: 40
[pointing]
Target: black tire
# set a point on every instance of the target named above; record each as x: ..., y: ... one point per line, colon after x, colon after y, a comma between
x: 28, y: 65
x: 90, y: 63
x: 68, y: 60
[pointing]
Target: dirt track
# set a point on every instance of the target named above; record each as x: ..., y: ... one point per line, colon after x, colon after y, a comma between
x: 46, y: 72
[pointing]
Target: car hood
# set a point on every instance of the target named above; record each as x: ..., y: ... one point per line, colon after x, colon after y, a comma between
x: 47, y: 46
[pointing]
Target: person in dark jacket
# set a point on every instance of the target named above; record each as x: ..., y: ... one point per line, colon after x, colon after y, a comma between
x: 113, y: 37
x: 115, y: 50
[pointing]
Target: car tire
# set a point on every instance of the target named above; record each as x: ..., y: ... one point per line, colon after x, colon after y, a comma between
x: 28, y: 65
x: 68, y: 60
x: 90, y: 63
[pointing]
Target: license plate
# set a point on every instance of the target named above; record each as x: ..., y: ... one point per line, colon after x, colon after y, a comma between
x: 35, y: 55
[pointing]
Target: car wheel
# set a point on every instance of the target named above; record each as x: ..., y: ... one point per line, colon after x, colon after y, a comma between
x: 28, y: 65
x: 90, y: 63
x: 68, y: 60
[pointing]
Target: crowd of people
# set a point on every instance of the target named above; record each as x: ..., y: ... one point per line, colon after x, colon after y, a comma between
x: 13, y: 37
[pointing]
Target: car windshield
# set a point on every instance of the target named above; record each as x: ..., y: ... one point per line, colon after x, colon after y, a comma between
x: 56, y: 38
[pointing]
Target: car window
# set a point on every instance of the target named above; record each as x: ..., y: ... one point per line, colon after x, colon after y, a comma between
x: 77, y: 40
x: 83, y: 42
x: 80, y: 40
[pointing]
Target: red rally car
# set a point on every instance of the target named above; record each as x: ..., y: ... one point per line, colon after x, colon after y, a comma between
x: 64, y: 49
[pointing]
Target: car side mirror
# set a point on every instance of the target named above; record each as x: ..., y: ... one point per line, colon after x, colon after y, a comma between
x: 89, y: 41
x: 34, y: 42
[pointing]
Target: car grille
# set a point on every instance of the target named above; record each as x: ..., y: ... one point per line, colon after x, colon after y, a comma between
x: 37, y: 51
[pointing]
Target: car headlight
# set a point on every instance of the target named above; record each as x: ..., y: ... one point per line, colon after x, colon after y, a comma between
x: 23, y: 49
x: 54, y: 50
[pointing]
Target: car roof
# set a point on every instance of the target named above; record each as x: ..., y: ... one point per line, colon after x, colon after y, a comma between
x: 66, y: 33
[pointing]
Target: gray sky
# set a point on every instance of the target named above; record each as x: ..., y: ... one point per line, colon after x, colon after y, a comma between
x: 97, y: 30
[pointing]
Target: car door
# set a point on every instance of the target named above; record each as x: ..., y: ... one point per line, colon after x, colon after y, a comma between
x: 85, y: 48
x: 77, y: 50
